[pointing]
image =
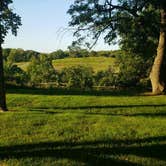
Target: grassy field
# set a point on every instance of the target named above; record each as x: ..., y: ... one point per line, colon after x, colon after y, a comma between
x: 48, y: 128
x: 23, y: 65
x: 97, y: 63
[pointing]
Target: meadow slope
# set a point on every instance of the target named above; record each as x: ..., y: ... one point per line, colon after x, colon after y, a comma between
x: 97, y: 63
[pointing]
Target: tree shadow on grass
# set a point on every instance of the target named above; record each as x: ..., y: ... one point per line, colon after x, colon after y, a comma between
x: 153, y: 114
x: 62, y: 91
x: 49, y: 110
x: 101, y: 107
x: 102, y: 152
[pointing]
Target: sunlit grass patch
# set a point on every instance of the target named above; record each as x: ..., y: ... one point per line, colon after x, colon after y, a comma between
x: 57, y: 129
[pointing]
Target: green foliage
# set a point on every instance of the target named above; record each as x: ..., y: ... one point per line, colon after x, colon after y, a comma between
x: 131, y: 69
x: 28, y: 55
x: 5, y: 53
x: 14, y: 74
x: 106, y: 78
x: 124, y: 70
x: 93, y: 53
x: 19, y: 55
x: 41, y: 70
x: 8, y: 19
x: 112, y: 68
x: 78, y: 77
x: 76, y: 51
x: 112, y: 54
x: 59, y: 54
x: 134, y: 24
x: 140, y: 35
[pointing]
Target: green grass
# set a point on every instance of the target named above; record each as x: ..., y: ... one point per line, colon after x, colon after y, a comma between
x: 62, y: 128
x: 23, y: 65
x: 97, y: 63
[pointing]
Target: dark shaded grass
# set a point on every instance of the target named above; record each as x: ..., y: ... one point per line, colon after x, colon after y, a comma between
x: 64, y: 91
x: 103, y: 107
x: 93, y: 153
x: 151, y: 110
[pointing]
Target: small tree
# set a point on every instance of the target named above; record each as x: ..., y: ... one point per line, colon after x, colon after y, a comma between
x: 78, y: 77
x: 14, y: 74
x: 41, y: 70
x: 8, y: 21
x: 59, y: 54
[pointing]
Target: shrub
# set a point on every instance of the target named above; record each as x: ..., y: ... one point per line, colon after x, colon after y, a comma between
x: 41, y: 70
x: 106, y: 78
x: 131, y: 70
x: 59, y: 54
x: 14, y: 74
x: 80, y: 77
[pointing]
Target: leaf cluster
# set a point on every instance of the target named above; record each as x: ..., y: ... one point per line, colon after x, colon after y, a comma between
x: 8, y: 19
x: 41, y: 70
x: 134, y: 24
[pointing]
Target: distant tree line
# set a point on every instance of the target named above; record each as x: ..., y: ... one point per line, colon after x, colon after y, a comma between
x: 20, y: 55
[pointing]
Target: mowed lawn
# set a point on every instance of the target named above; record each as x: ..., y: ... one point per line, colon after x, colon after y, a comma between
x: 51, y: 128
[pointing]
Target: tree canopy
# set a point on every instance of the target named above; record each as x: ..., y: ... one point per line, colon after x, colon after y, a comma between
x: 129, y: 18
x: 8, y: 19
x: 136, y: 24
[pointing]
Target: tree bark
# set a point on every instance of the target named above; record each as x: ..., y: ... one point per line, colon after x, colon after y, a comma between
x: 158, y: 84
x: 2, y: 84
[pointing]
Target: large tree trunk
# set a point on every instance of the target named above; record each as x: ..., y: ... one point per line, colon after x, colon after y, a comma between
x: 158, y: 84
x: 2, y: 84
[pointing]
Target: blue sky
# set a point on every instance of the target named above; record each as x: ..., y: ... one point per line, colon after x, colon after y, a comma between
x: 43, y: 26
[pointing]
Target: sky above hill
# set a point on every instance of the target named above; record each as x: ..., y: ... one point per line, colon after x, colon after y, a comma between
x: 44, y: 26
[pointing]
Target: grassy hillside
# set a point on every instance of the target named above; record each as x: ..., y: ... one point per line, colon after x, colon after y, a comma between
x: 23, y: 65
x: 57, y: 128
x: 97, y: 63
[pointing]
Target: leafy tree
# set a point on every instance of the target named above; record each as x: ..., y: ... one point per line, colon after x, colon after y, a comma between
x: 14, y: 74
x: 29, y: 54
x: 19, y: 55
x: 131, y: 69
x: 8, y: 21
x: 127, y: 19
x: 127, y: 71
x: 106, y: 78
x: 76, y: 51
x: 59, y: 54
x: 5, y: 53
x: 80, y: 77
x: 12, y: 56
x: 41, y: 70
x: 93, y: 53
